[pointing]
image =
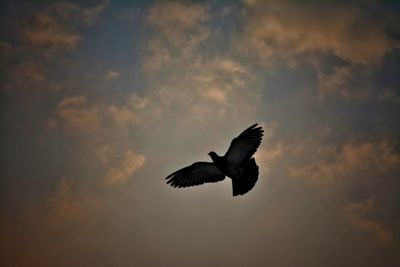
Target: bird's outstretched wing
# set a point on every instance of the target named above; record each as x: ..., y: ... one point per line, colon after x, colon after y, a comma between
x: 245, y: 145
x: 196, y: 174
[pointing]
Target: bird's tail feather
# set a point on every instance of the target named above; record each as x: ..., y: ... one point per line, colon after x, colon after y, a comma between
x: 247, y: 180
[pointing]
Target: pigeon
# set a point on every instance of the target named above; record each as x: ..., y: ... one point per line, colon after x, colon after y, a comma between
x: 237, y: 163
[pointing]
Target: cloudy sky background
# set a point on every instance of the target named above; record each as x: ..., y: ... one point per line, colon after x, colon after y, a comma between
x: 102, y: 100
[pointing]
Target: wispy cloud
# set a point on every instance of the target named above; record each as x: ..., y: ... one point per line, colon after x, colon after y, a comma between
x: 123, y: 115
x: 90, y: 14
x: 47, y: 33
x: 63, y: 205
x: 112, y: 75
x: 389, y: 95
x: 277, y: 30
x: 270, y: 151
x: 105, y: 153
x: 357, y: 213
x: 351, y: 48
x: 177, y: 21
x: 77, y: 116
x: 56, y: 26
x: 178, y: 29
x: 207, y: 89
x: 30, y: 77
x: 118, y: 174
x: 127, y: 92
x: 330, y: 164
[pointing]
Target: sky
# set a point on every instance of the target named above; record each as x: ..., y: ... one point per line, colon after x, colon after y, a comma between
x: 101, y: 100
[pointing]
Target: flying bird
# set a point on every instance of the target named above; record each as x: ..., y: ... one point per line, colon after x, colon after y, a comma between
x: 237, y: 163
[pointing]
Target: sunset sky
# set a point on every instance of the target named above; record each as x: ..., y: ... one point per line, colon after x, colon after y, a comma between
x: 101, y: 100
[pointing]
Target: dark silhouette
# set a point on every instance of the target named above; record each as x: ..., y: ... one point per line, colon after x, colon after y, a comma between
x: 237, y: 163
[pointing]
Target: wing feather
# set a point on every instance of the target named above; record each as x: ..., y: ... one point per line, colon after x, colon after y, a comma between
x: 196, y: 174
x: 245, y: 145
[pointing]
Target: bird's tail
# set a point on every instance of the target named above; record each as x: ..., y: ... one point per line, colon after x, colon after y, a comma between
x: 247, y: 180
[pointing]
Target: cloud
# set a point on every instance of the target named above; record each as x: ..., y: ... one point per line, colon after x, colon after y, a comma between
x: 57, y: 26
x: 30, y: 72
x: 105, y: 153
x: 112, y: 75
x: 337, y: 82
x: 63, y: 205
x: 50, y: 28
x: 178, y: 29
x: 211, y: 80
x: 331, y: 164
x: 284, y: 30
x: 124, y: 169
x: 389, y: 95
x: 356, y: 212
x: 112, y: 148
x: 72, y: 101
x: 198, y: 86
x: 216, y: 95
x: 5, y: 48
x: 270, y: 150
x: 29, y: 76
x: 137, y: 102
x: 76, y: 116
x: 123, y: 115
x: 346, y: 174
x: 350, y: 81
x: 159, y: 55
x: 129, y: 113
x: 175, y: 20
x: 90, y: 14
x: 207, y: 89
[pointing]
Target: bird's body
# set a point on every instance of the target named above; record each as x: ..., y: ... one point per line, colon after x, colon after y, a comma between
x: 230, y: 169
x: 238, y: 164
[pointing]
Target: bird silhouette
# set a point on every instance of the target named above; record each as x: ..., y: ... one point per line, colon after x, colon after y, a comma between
x: 237, y: 163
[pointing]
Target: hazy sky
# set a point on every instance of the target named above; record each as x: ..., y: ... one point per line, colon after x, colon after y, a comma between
x: 100, y: 101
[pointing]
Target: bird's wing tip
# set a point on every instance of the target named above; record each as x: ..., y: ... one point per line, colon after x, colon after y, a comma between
x: 170, y: 176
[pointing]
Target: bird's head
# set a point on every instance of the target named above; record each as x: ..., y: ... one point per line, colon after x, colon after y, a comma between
x: 213, y: 155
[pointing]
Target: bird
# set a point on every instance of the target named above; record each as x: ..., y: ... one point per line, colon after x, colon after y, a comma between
x: 238, y: 164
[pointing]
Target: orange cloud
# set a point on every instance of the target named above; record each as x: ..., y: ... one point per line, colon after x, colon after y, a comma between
x: 49, y: 29
x: 350, y: 81
x: 63, y: 204
x: 104, y: 153
x: 215, y: 94
x: 123, y: 170
x: 354, y: 212
x: 123, y: 115
x: 174, y: 19
x: 76, y: 116
x: 201, y: 90
x: 159, y: 55
x: 29, y: 76
x: 337, y: 82
x: 179, y: 28
x: 333, y: 165
x: 56, y: 26
x: 72, y: 100
x: 269, y: 151
x: 284, y: 30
